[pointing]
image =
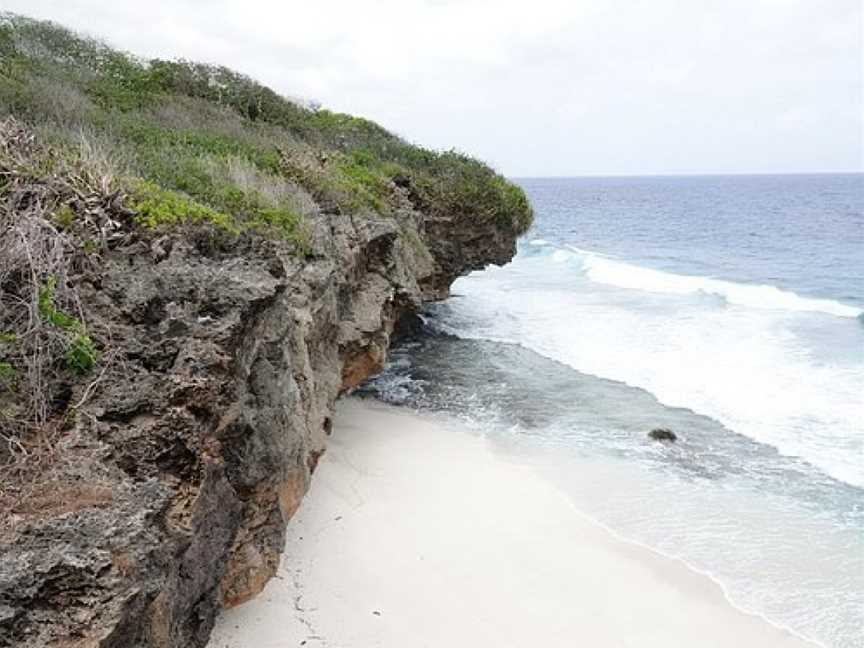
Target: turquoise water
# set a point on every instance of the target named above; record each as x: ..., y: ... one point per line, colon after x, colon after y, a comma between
x: 726, y: 308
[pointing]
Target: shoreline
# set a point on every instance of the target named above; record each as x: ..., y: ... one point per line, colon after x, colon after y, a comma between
x: 416, y: 533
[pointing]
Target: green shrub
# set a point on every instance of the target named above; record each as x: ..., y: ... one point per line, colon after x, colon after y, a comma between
x: 123, y: 83
x: 64, y: 217
x: 81, y: 354
x: 147, y: 136
x: 7, y: 372
x: 49, y: 313
x: 364, y: 180
x: 159, y: 207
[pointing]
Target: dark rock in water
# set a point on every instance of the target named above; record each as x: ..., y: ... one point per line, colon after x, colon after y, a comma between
x: 663, y: 434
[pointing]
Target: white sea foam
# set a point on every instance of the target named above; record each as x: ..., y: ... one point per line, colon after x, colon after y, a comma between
x: 606, y: 270
x: 739, y: 360
x: 632, y: 277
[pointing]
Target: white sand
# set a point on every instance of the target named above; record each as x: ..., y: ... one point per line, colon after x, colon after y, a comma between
x: 415, y: 534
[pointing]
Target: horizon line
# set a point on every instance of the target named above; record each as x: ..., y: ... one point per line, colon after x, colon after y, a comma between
x: 686, y: 175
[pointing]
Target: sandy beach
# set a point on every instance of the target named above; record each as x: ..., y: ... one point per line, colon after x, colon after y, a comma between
x: 416, y: 534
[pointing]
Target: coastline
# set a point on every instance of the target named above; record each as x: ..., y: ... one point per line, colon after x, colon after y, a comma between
x: 415, y: 533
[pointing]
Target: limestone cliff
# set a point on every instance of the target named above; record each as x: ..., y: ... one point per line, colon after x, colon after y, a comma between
x: 192, y: 269
x: 199, y: 440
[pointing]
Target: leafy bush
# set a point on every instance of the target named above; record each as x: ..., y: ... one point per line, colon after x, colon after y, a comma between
x: 7, y: 371
x: 160, y: 207
x: 364, y: 178
x: 123, y: 83
x: 81, y: 354
x: 157, y: 207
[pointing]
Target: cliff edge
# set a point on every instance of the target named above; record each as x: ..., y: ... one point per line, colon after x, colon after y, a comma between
x: 192, y: 269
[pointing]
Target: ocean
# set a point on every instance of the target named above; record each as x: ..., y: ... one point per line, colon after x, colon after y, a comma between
x: 726, y: 308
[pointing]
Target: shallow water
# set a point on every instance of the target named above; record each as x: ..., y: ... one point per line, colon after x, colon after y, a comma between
x: 727, y: 309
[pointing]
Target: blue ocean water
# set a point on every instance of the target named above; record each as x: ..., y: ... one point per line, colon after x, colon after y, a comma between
x: 727, y: 308
x: 798, y: 233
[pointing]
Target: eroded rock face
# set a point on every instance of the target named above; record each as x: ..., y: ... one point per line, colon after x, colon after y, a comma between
x: 195, y: 442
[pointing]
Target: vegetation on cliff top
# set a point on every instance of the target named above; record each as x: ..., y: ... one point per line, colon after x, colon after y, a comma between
x: 189, y: 141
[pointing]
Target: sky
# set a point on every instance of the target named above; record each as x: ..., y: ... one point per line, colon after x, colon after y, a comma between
x: 541, y: 88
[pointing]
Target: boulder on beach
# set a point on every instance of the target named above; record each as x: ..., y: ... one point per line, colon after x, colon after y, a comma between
x: 663, y: 434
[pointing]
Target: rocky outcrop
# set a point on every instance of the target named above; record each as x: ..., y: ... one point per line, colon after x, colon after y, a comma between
x: 192, y: 446
x: 663, y: 434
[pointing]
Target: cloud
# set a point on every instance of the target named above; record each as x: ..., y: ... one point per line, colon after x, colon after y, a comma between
x: 543, y: 87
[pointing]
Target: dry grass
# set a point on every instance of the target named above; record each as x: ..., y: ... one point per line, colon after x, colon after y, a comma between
x: 55, y: 217
x: 58, y: 212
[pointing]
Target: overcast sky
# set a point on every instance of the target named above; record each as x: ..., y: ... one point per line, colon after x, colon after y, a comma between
x: 541, y: 87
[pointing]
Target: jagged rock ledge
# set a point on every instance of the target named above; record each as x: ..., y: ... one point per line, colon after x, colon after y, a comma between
x: 200, y: 436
